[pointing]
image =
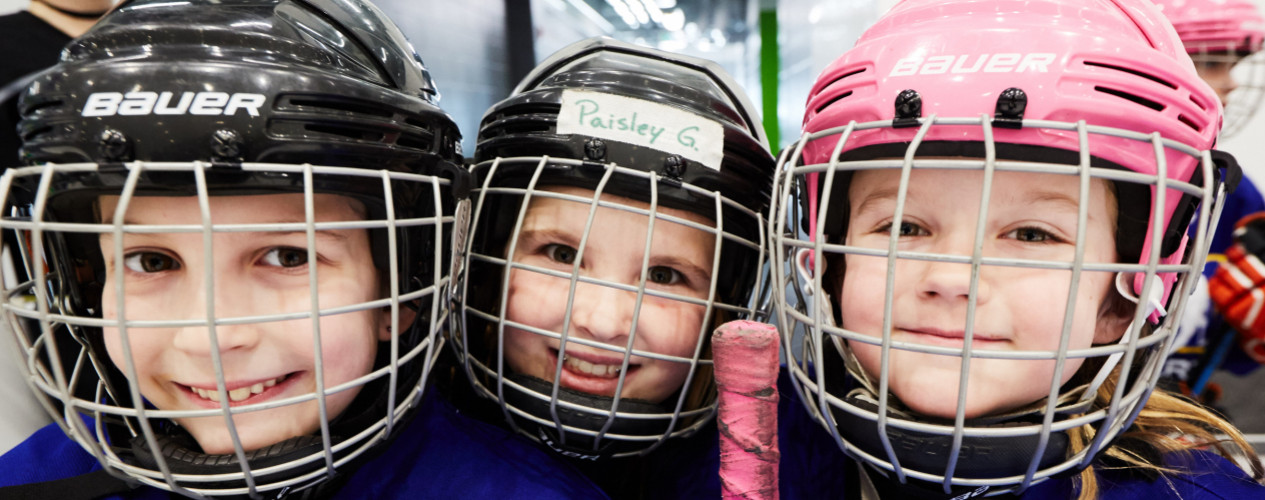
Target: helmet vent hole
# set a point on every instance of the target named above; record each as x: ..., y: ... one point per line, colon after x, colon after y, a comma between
x: 35, y: 108
x: 419, y: 123
x: 415, y: 142
x: 347, y: 105
x: 833, y: 100
x: 36, y: 133
x: 1150, y: 77
x: 1132, y: 97
x: 845, y: 75
x: 1202, y: 105
x: 357, y: 133
x: 1189, y: 123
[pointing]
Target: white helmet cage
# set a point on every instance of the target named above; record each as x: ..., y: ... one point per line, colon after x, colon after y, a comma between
x: 997, y: 452
x: 523, y: 160
x: 57, y: 318
x: 1248, y: 74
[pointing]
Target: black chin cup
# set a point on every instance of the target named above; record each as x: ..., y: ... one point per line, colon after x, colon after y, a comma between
x: 181, y: 454
x: 584, y: 446
x: 979, y: 457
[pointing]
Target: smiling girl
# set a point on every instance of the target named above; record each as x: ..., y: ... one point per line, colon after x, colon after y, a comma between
x: 603, y: 253
x: 994, y: 256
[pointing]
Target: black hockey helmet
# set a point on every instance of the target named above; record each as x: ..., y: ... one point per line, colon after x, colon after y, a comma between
x: 640, y: 128
x: 227, y: 98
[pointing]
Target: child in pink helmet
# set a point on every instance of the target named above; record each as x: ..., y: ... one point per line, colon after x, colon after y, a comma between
x: 994, y: 199
x: 1223, y: 38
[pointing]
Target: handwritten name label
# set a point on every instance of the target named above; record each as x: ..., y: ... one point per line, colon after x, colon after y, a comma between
x: 642, y: 123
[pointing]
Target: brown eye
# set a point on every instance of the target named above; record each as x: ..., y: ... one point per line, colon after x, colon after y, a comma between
x: 286, y: 257
x: 906, y: 229
x: 150, y: 262
x: 663, y: 275
x: 560, y: 253
x: 1032, y: 235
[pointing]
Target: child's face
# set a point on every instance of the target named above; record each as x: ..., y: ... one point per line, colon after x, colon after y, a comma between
x: 680, y: 263
x: 1216, y: 70
x: 256, y: 273
x: 1030, y: 216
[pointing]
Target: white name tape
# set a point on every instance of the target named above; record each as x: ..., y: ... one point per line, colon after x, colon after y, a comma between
x: 642, y: 123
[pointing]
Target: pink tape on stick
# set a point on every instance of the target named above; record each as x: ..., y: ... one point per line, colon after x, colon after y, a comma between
x: 746, y: 365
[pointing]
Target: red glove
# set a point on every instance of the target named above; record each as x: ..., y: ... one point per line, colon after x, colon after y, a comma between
x: 1238, y: 287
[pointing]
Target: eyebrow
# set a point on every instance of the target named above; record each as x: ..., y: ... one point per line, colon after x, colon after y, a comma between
x: 337, y: 234
x: 1041, y: 196
x: 551, y: 234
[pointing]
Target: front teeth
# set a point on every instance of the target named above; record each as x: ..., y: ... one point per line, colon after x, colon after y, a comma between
x: 239, y: 394
x: 608, y: 371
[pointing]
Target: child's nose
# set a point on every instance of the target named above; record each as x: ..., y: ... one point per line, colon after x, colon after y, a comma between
x: 951, y: 281
x: 201, y: 339
x: 602, y: 312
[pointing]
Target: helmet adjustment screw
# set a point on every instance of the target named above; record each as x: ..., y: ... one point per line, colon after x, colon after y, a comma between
x: 114, y: 145
x: 1011, y: 104
x: 908, y: 109
x: 226, y: 144
x: 595, y: 150
x: 674, y: 166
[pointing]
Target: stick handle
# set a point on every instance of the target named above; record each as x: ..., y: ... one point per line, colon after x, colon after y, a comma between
x: 745, y: 354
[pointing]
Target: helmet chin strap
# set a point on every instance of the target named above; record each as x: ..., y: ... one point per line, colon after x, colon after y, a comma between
x: 1153, y: 305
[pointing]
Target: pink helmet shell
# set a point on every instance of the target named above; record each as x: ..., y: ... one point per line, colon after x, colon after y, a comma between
x: 1216, y: 25
x: 1115, y: 64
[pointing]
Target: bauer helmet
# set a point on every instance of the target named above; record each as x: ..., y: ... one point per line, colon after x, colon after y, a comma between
x: 189, y: 102
x: 1086, y: 90
x: 647, y: 153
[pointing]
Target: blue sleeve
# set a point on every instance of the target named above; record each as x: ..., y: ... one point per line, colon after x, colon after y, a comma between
x: 813, y: 465
x: 45, y: 456
x: 1244, y: 201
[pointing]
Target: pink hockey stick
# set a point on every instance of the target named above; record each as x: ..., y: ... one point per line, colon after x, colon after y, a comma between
x: 746, y: 365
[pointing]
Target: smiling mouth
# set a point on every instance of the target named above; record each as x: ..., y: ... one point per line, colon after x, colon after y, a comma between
x: 590, y: 369
x: 239, y: 394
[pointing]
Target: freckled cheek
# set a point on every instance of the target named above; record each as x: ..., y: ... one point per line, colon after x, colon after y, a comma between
x: 861, y: 296
x: 537, y: 299
x: 669, y: 327
x: 1051, y: 288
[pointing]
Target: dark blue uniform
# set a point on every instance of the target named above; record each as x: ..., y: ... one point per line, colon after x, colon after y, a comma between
x: 442, y: 454
x: 814, y: 467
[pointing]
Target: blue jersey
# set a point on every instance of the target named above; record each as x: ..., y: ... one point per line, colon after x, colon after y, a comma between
x: 814, y: 467
x: 441, y: 454
x: 1199, y: 337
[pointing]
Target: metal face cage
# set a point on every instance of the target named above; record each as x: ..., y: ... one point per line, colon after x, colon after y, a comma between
x: 1245, y: 87
x: 1074, y: 417
x: 84, y: 341
x: 607, y: 354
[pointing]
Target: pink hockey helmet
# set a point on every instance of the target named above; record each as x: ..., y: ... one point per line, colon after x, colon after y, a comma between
x: 1216, y: 25
x: 1111, y: 63
x: 1219, y: 35
x: 1102, y: 88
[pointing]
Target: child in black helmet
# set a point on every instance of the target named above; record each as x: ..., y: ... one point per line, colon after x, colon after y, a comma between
x: 239, y: 265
